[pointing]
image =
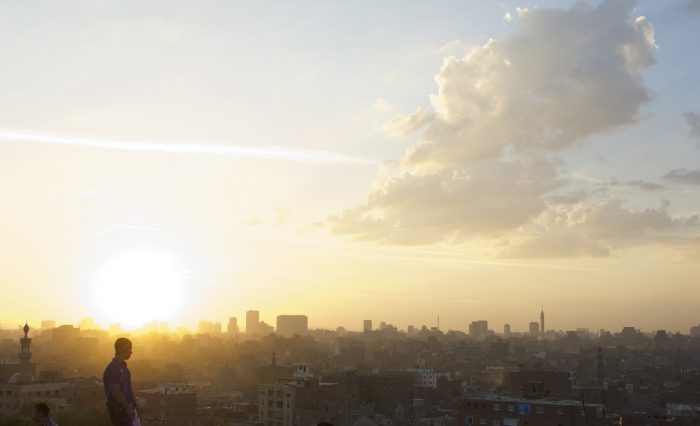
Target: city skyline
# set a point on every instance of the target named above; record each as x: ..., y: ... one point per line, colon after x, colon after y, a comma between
x: 394, y: 161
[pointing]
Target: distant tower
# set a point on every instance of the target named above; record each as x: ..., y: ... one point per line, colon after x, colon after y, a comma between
x: 25, y: 357
x: 506, y: 330
x: 367, y: 326
x: 542, y: 321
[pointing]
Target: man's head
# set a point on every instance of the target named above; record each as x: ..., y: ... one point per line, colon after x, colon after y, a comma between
x: 41, y: 411
x: 123, y: 348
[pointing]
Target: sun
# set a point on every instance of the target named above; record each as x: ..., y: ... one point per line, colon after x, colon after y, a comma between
x: 138, y: 287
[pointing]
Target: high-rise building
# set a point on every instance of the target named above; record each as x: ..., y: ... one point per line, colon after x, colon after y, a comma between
x: 232, y: 326
x: 290, y: 325
x: 506, y: 330
x: 367, y: 326
x: 534, y: 328
x: 478, y: 329
x: 542, y: 322
x: 252, y: 321
x: 217, y: 328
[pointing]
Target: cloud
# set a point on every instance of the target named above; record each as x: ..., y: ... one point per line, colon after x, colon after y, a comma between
x: 691, y: 177
x: 479, y: 169
x: 693, y: 121
x: 566, y: 74
x: 277, y: 153
x: 452, y: 205
x: 635, y: 183
x: 400, y: 126
x: 455, y: 47
x: 594, y: 231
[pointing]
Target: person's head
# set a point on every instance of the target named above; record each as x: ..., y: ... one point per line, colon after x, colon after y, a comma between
x: 41, y: 411
x: 123, y: 348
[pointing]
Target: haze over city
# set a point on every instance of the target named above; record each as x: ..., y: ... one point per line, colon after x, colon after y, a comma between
x: 351, y: 160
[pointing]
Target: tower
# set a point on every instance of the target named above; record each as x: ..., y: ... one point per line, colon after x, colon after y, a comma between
x: 25, y: 357
x: 542, y: 321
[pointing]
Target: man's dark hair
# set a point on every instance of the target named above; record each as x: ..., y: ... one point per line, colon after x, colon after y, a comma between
x: 42, y: 408
x: 122, y: 344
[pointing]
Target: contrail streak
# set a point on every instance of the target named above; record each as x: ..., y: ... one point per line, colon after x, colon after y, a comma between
x: 278, y: 153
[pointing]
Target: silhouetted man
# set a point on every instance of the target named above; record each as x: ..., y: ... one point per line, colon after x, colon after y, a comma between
x: 117, y: 380
x: 41, y: 415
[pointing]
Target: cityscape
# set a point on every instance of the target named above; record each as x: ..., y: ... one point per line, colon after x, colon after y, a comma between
x: 350, y: 213
x: 289, y: 374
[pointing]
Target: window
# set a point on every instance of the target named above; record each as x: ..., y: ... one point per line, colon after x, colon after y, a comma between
x: 496, y: 407
x: 539, y: 410
x: 583, y: 412
x: 496, y: 422
x: 511, y: 407
x: 560, y: 411
x: 482, y: 421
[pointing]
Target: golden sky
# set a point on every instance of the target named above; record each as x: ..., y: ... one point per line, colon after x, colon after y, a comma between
x: 394, y: 162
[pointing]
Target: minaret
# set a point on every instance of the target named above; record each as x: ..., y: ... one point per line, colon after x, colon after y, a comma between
x: 25, y: 357
x: 542, y: 322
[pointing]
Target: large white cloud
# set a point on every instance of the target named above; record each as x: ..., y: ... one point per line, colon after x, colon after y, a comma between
x: 564, y: 75
x: 454, y: 205
x: 478, y: 170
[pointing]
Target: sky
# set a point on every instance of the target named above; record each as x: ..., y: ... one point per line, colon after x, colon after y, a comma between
x: 392, y: 161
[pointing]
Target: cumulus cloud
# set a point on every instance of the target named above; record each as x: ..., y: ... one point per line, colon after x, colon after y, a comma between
x: 564, y: 75
x: 583, y: 230
x: 693, y: 121
x: 402, y: 125
x: 478, y: 170
x: 453, y: 205
x: 691, y: 177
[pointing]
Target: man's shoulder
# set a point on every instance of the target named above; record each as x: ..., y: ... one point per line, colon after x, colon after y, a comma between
x: 114, y: 367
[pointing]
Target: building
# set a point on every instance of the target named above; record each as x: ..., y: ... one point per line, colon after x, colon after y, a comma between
x: 22, y: 389
x: 534, y: 328
x: 542, y: 384
x: 171, y: 405
x: 277, y: 401
x: 542, y: 322
x: 504, y: 411
x: 478, y: 329
x: 367, y: 326
x: 232, y: 327
x: 290, y: 325
x: 252, y: 322
x: 506, y: 330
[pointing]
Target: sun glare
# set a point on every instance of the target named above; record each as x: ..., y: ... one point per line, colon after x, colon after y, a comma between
x: 138, y: 287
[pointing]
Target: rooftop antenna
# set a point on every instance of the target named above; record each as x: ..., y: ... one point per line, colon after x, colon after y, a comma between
x: 438, y: 324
